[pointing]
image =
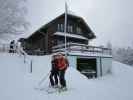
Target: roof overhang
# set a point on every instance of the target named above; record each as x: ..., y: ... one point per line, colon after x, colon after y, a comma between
x: 70, y: 35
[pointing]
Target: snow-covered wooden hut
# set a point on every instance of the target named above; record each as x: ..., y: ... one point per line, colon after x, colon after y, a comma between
x: 90, y: 60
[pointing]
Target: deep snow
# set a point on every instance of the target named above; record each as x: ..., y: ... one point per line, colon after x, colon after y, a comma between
x: 16, y: 83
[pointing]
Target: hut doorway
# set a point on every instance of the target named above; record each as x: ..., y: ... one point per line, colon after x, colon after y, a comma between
x: 87, y: 66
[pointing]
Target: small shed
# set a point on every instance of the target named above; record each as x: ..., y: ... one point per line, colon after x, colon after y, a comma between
x: 91, y: 66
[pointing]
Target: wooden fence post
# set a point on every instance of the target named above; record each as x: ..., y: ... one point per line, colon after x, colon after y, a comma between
x: 31, y: 65
x: 24, y: 58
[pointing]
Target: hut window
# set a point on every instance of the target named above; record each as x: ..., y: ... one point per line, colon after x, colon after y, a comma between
x: 78, y: 30
x: 60, y: 27
x: 70, y: 28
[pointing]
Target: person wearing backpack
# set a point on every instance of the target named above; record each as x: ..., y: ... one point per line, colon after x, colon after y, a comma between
x: 62, y: 66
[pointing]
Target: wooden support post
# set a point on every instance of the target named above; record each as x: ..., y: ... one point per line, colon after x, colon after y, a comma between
x: 31, y: 65
x: 24, y: 58
x: 101, y: 70
x: 69, y: 47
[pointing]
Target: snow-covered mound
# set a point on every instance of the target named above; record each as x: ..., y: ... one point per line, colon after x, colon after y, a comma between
x: 16, y: 83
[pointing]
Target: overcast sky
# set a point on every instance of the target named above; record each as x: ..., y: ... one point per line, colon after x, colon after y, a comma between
x: 110, y: 20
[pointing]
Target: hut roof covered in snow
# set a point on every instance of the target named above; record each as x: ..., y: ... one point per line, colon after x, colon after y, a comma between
x: 89, y: 34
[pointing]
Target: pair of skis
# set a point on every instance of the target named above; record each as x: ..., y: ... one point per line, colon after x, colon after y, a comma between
x: 49, y: 89
x: 52, y: 90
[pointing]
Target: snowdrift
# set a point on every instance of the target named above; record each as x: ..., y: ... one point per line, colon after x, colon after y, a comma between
x: 16, y: 83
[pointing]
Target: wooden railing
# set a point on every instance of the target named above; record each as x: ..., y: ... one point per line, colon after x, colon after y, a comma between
x: 35, y: 52
x: 4, y: 47
x: 74, y: 47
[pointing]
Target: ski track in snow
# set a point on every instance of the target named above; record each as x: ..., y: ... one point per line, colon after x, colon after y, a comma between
x: 16, y: 83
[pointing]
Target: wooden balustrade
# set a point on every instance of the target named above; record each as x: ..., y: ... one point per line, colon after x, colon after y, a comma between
x: 71, y: 47
x: 4, y: 47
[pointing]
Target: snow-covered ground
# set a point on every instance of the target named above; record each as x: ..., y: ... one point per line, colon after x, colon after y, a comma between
x: 16, y: 83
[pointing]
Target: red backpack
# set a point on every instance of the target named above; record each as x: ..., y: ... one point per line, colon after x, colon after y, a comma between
x: 62, y: 63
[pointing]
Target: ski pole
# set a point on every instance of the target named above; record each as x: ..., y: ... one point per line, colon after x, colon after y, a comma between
x: 43, y: 79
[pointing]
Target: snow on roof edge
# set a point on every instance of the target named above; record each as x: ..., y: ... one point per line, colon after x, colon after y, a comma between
x: 70, y: 35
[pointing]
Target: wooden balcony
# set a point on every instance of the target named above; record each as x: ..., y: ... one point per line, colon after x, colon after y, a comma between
x: 82, y: 49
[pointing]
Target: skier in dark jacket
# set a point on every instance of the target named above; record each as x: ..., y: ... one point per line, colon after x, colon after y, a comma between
x: 12, y: 47
x: 54, y: 72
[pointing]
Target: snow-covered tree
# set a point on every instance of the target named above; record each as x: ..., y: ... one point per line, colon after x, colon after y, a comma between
x: 12, y: 17
x: 109, y: 45
x: 124, y: 55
